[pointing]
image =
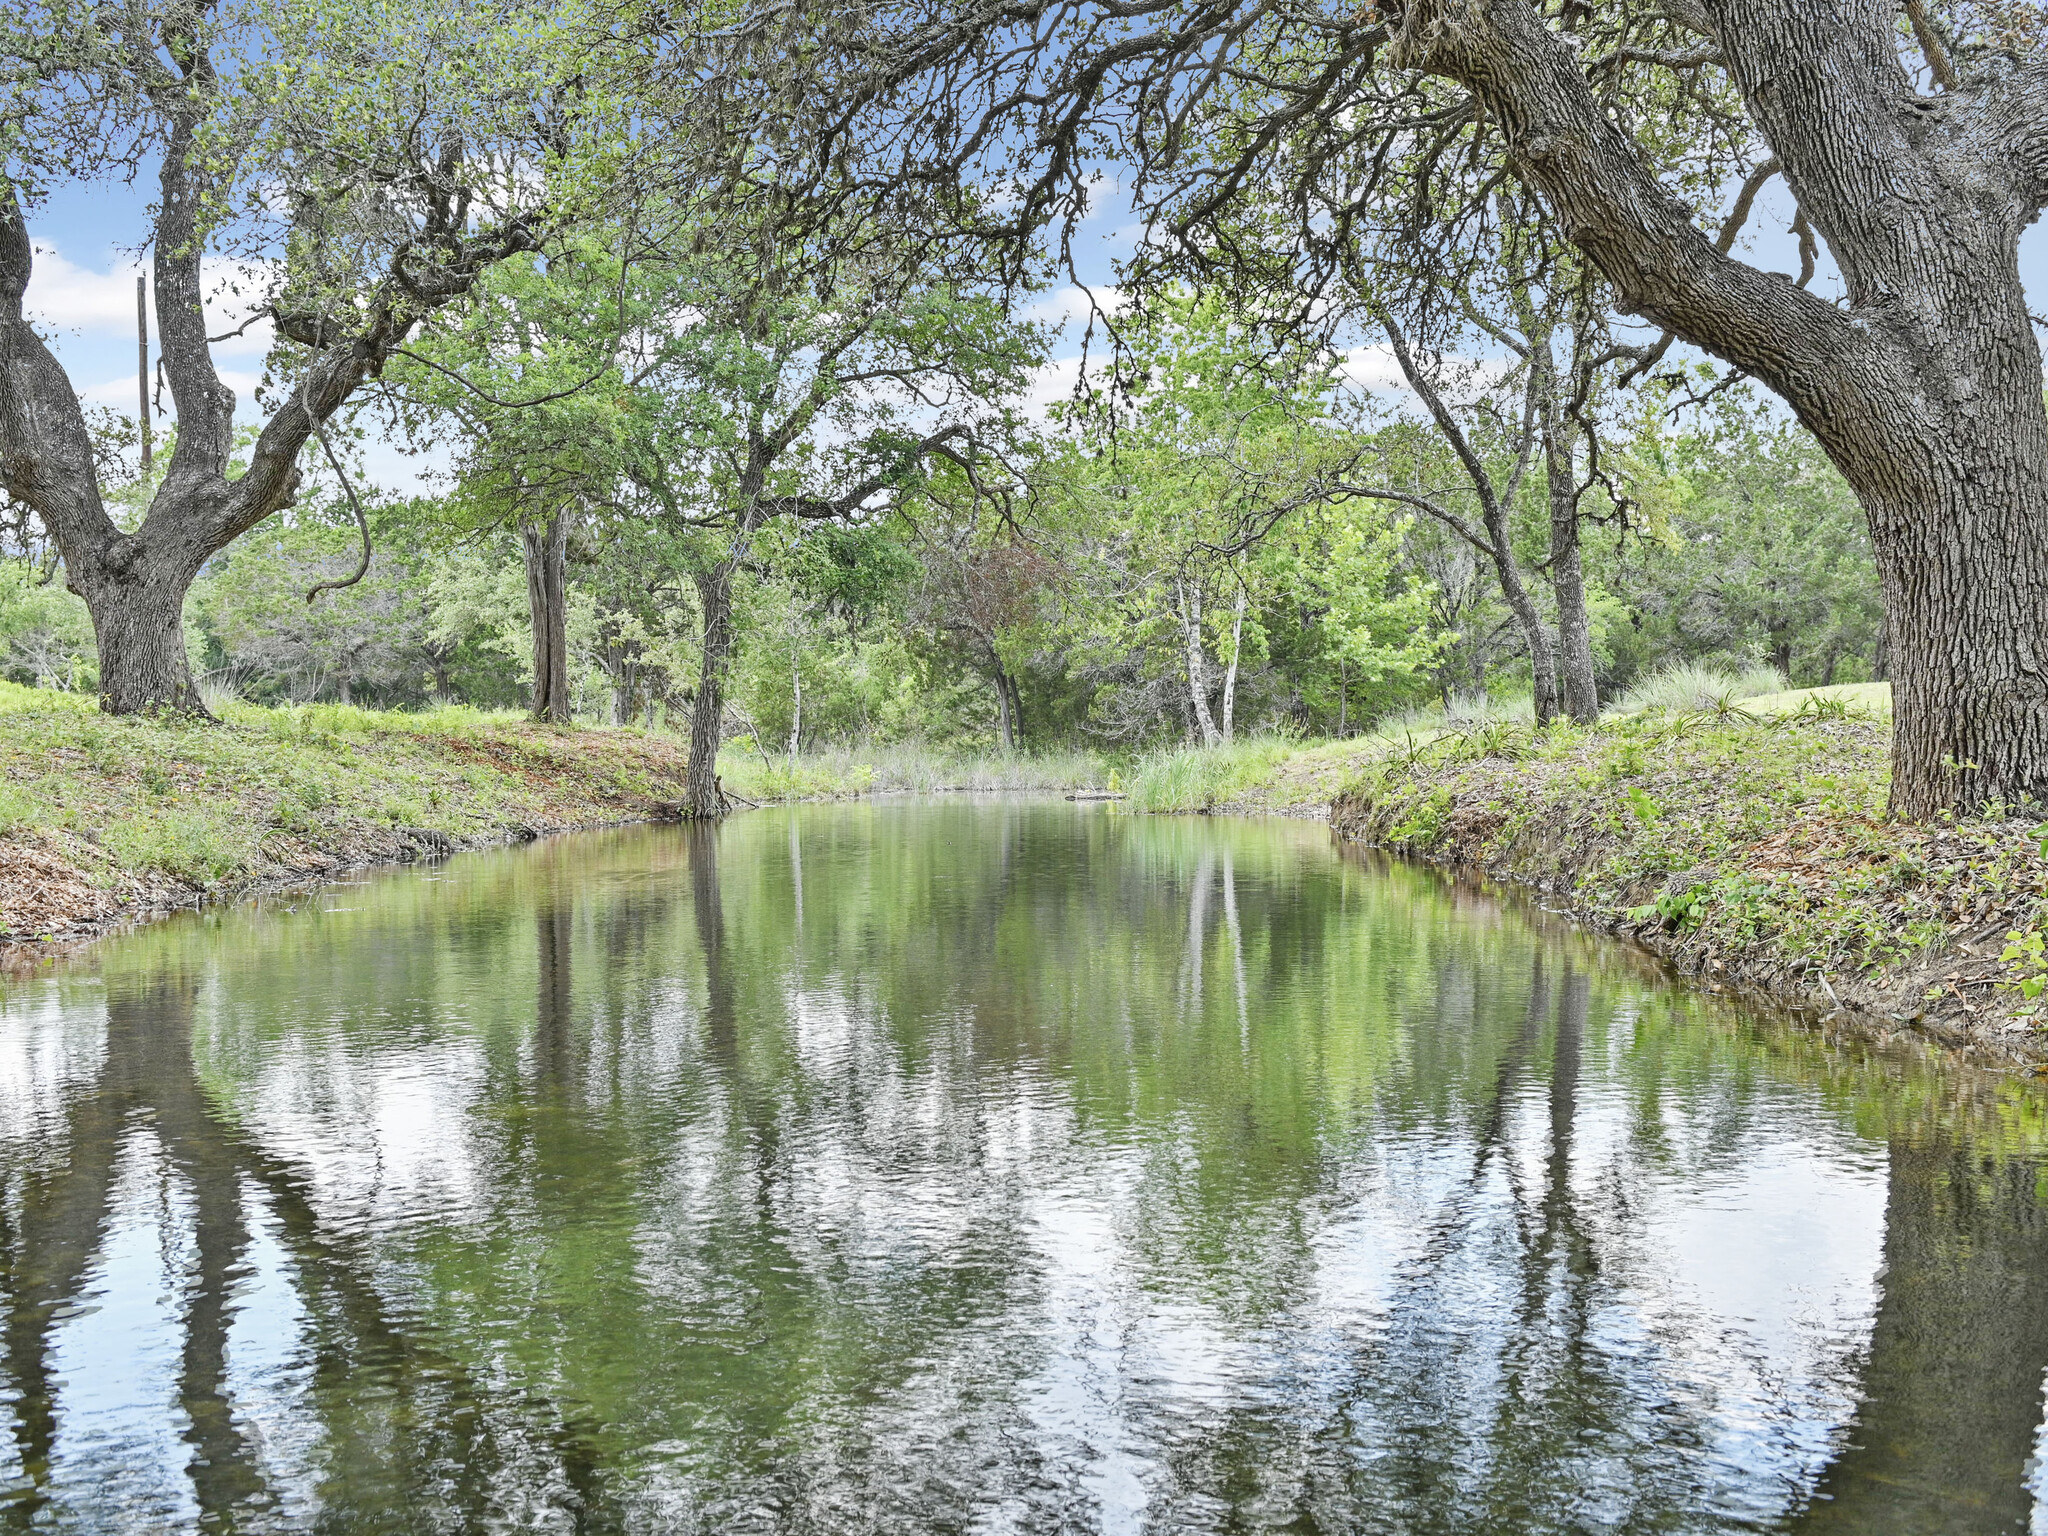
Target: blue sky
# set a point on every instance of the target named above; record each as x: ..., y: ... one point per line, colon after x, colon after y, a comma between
x: 83, y: 296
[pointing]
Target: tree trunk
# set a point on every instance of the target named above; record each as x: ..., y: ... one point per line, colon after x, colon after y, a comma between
x: 138, y: 620
x: 1535, y: 638
x: 1580, y: 691
x: 702, y: 795
x: 796, y: 709
x: 1009, y: 728
x: 1017, y: 737
x: 1230, y: 672
x: 625, y: 690
x: 547, y: 598
x: 1963, y: 551
x: 1924, y: 387
x: 1198, y: 666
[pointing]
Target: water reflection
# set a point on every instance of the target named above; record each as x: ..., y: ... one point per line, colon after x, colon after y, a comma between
x: 984, y: 1168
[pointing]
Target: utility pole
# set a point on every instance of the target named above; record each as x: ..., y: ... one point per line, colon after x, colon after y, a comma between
x: 142, y: 359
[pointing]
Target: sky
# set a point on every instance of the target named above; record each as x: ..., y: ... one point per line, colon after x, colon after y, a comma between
x: 82, y: 296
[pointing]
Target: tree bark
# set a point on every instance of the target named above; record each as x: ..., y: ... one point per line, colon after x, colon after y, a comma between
x: 547, y: 597
x: 1190, y: 597
x: 138, y: 622
x: 134, y: 584
x: 702, y: 795
x: 1228, y: 723
x: 1579, y: 689
x: 1535, y: 637
x: 625, y: 690
x: 1009, y: 705
x: 1578, y: 694
x: 1925, y: 389
x: 796, y: 708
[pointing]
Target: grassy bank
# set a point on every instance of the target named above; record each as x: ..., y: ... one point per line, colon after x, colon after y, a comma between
x: 1750, y: 846
x: 102, y: 817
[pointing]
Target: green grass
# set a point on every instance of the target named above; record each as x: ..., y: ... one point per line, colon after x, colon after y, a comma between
x: 1749, y: 837
x: 207, y: 805
x: 1202, y: 778
x: 903, y: 768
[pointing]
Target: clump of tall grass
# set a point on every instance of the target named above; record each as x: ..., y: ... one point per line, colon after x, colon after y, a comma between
x: 902, y: 767
x: 1202, y: 778
x: 1695, y: 686
x: 1460, y: 712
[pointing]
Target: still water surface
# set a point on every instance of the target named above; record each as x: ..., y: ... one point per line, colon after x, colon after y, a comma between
x: 985, y: 1167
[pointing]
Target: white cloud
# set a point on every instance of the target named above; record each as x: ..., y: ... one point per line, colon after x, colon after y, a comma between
x: 1063, y: 307
x: 1373, y: 368
x: 120, y: 392
x: 64, y: 296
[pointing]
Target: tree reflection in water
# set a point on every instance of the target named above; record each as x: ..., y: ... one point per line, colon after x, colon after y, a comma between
x: 985, y: 1167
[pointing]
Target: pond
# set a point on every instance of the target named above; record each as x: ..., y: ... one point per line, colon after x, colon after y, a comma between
x: 986, y: 1166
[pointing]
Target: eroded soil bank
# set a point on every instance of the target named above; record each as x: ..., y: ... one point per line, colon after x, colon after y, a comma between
x: 1753, y: 853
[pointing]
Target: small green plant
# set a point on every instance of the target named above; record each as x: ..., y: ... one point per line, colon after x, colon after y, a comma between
x: 1643, y: 806
x: 16, y: 810
x: 1627, y: 761
x: 2025, y: 958
x: 1674, y: 909
x: 1423, y: 820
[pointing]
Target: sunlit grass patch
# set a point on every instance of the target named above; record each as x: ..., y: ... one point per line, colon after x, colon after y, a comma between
x: 199, y: 847
x: 15, y: 699
x: 905, y: 767
x: 1691, y: 686
x: 1202, y: 778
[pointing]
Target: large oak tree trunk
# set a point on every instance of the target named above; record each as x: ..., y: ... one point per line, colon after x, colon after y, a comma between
x: 137, y: 603
x: 1924, y: 388
x: 1958, y: 510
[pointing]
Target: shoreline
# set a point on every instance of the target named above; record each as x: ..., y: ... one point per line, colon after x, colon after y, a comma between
x: 1751, y: 856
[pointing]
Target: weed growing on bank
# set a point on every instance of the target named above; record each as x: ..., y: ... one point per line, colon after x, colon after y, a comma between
x: 1745, y: 844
